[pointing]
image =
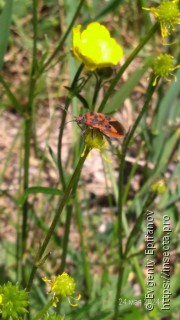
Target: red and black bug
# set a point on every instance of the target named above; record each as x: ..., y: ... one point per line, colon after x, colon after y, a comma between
x: 106, y: 124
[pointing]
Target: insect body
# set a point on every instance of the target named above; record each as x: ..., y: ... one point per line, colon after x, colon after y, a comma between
x: 106, y: 124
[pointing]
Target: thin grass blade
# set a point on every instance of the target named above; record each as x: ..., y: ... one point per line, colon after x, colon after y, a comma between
x: 5, y: 22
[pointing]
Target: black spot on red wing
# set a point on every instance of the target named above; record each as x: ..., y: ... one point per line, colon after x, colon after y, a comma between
x: 108, y: 127
x: 108, y: 117
x: 94, y: 121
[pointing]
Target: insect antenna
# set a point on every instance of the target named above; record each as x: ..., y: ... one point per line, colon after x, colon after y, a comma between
x: 68, y: 122
x: 64, y: 109
x: 67, y: 112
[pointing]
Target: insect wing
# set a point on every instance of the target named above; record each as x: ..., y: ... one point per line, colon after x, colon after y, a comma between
x: 117, y: 128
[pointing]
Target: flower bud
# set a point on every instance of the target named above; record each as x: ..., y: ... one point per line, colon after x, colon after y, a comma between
x: 168, y: 14
x: 163, y: 66
x: 159, y: 186
x: 13, y: 302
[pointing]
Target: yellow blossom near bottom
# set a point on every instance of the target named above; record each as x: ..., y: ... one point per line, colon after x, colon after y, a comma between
x: 94, y: 139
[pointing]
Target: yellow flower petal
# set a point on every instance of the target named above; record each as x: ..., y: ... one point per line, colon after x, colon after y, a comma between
x: 95, y: 47
x: 76, y: 41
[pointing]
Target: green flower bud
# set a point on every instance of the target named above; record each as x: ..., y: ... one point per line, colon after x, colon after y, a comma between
x: 163, y: 66
x: 159, y: 186
x: 13, y: 302
x: 62, y: 286
x: 94, y: 139
x: 168, y: 14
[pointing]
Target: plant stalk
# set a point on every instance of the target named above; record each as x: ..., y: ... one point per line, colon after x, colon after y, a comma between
x: 84, y: 253
x: 67, y: 103
x: 27, y: 137
x: 44, y: 310
x: 59, y: 210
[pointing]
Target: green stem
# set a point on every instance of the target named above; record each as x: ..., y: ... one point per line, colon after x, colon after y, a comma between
x: 119, y: 285
x: 27, y: 135
x: 27, y: 138
x: 66, y: 238
x: 67, y: 103
x: 126, y: 64
x: 59, y: 149
x: 61, y: 44
x: 126, y: 143
x: 67, y: 230
x: 59, y: 210
x: 135, y: 231
x: 150, y: 91
x: 61, y: 173
x: 96, y: 92
x: 44, y: 310
x: 85, y: 262
x: 131, y: 175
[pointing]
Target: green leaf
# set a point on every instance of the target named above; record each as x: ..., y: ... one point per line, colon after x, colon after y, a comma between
x: 166, y: 155
x: 82, y: 100
x: 111, y: 6
x: 124, y: 92
x: 5, y: 22
x: 44, y: 190
x: 167, y: 152
x: 53, y: 156
x: 168, y: 110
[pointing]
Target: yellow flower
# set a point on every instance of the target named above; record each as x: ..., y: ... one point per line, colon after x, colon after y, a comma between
x: 62, y: 286
x: 94, y: 139
x: 95, y: 47
x: 159, y: 186
x: 163, y: 66
x: 168, y: 14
